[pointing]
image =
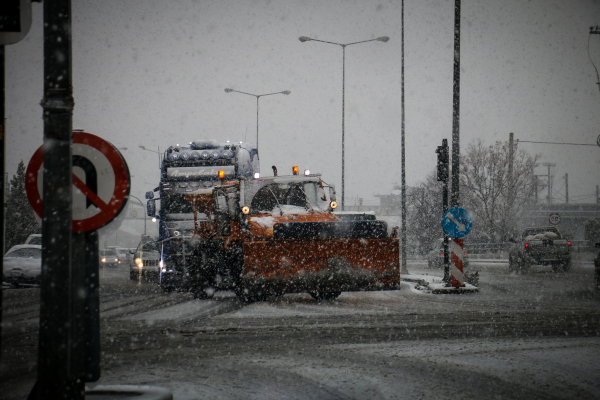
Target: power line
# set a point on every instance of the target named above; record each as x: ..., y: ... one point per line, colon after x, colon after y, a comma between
x: 572, y: 144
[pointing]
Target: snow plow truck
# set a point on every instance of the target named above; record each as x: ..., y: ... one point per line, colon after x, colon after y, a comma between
x: 265, y: 237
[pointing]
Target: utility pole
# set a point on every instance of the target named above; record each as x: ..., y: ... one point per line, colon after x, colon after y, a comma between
x: 567, y: 188
x: 456, y: 109
x: 511, y: 157
x: 549, y: 197
x: 595, y: 32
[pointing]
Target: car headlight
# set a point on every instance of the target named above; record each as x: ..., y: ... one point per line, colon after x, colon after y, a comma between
x: 103, y: 259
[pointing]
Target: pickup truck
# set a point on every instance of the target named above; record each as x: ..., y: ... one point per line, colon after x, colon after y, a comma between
x: 542, y: 246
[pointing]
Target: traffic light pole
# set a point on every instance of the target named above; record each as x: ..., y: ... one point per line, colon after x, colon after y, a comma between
x: 456, y: 109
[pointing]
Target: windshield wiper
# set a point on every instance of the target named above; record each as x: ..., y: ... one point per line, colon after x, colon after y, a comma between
x: 277, y: 201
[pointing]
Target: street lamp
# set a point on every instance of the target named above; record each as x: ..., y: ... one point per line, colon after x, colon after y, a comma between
x: 286, y: 92
x: 145, y: 214
x: 343, y: 46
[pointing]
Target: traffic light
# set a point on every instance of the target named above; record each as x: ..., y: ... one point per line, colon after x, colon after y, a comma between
x: 443, y: 161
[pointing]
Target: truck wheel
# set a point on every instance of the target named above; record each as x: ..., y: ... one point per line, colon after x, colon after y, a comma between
x: 324, y: 295
x: 567, y: 265
x: 203, y: 293
x: 556, y: 267
x: 512, y: 267
x: 522, y: 265
x: 167, y: 289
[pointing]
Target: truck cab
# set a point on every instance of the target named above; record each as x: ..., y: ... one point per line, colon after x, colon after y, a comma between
x: 187, y: 169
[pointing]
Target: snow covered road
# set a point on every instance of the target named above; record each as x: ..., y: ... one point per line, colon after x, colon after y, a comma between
x: 523, y: 336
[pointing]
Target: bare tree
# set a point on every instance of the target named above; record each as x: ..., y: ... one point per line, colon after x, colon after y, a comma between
x: 424, y: 216
x: 494, y: 196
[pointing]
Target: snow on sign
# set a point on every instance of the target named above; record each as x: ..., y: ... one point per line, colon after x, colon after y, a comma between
x: 457, y: 222
x: 554, y: 218
x: 100, y: 182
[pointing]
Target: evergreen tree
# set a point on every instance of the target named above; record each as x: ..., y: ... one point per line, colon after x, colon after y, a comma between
x: 20, y: 218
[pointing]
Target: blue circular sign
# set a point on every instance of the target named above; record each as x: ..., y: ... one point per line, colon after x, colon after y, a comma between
x: 457, y: 222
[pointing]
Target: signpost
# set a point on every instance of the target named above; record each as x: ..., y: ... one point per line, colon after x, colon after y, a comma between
x: 457, y: 223
x: 100, y: 186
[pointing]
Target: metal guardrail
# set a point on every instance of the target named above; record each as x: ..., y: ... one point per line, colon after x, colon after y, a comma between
x: 577, y: 246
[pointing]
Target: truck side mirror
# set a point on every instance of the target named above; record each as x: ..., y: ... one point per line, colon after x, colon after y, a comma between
x: 151, y: 207
x: 332, y: 193
x: 332, y: 200
x: 222, y: 222
x: 149, y: 195
x: 232, y: 204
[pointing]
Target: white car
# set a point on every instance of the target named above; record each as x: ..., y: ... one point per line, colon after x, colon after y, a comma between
x: 146, y: 261
x: 109, y: 258
x: 23, y: 265
x: 35, y: 238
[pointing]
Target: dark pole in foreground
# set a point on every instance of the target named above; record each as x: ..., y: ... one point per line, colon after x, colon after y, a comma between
x: 2, y: 177
x: 60, y: 358
x: 454, y: 200
x: 403, y: 266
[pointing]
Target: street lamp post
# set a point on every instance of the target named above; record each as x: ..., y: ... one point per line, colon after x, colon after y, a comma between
x: 343, y: 46
x: 145, y: 214
x: 157, y: 152
x: 286, y: 92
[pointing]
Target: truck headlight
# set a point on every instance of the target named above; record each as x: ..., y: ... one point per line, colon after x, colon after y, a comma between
x: 103, y: 259
x: 333, y: 204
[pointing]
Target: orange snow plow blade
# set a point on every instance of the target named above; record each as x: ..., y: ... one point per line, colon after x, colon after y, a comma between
x: 329, y: 265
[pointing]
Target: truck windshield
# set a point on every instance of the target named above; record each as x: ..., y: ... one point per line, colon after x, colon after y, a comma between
x: 175, y: 203
x: 287, y: 196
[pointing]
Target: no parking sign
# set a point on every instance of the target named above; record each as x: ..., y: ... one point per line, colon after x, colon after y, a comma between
x: 101, y: 182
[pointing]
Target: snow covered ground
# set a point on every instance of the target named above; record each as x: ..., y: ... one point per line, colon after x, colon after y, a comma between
x: 522, y: 336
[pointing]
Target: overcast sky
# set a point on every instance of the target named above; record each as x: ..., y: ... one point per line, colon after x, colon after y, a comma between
x: 153, y: 73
